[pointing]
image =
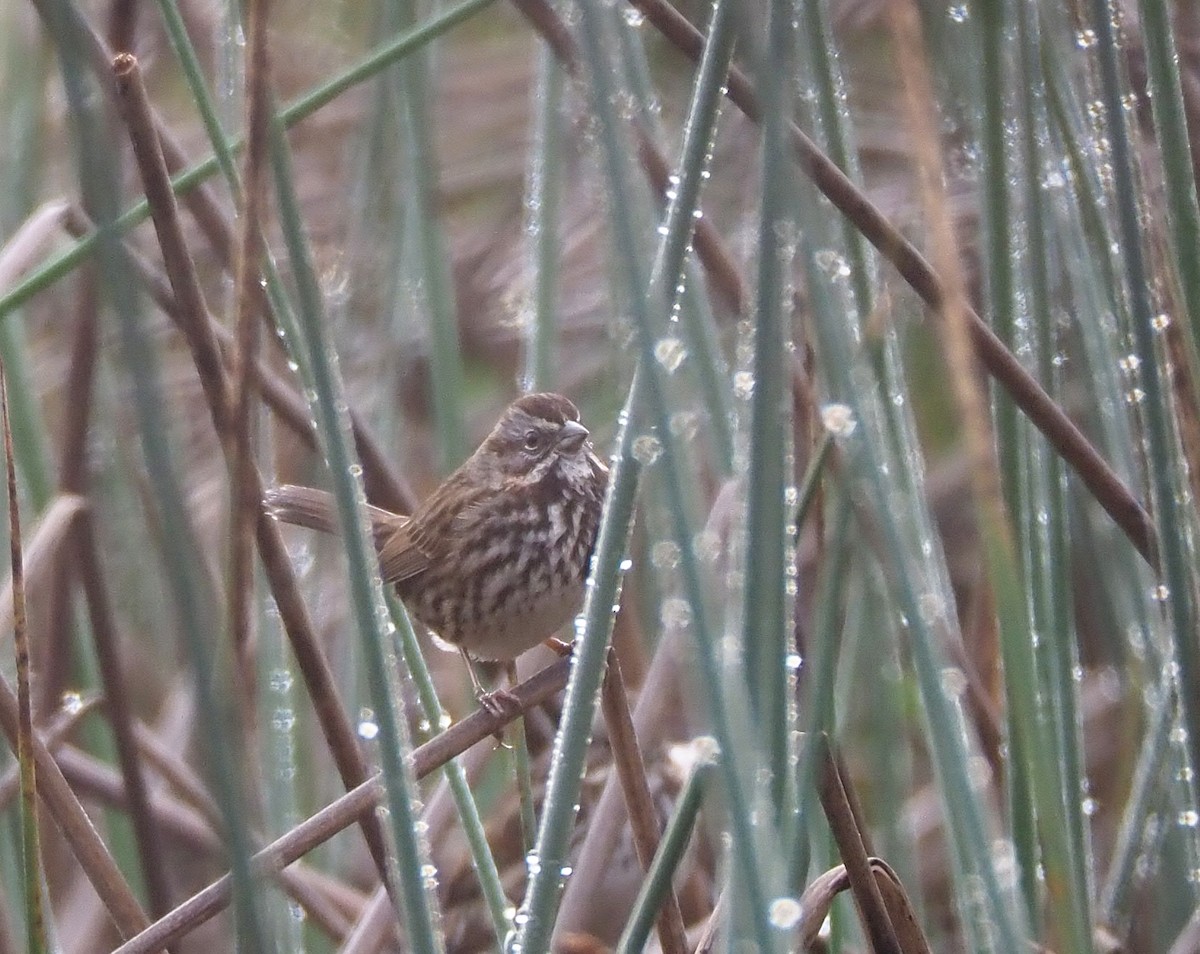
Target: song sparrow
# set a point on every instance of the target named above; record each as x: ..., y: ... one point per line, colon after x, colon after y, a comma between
x: 494, y: 561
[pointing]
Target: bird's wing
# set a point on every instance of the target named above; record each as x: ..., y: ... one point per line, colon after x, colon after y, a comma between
x: 433, y: 533
x: 400, y: 558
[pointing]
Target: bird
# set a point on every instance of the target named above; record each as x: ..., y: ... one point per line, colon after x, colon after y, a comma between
x: 496, y: 559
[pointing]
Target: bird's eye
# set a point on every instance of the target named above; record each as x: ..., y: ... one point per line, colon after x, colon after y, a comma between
x: 533, y: 440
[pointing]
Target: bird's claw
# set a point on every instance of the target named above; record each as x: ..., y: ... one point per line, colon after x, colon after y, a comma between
x: 558, y: 646
x: 500, y: 703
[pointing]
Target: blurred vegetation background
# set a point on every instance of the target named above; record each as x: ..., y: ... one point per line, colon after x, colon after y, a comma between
x: 897, y: 586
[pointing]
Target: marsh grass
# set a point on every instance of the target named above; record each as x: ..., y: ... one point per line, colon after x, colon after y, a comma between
x: 886, y: 315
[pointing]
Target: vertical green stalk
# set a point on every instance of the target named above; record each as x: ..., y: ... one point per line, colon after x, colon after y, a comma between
x: 22, y: 125
x: 920, y: 592
x: 278, y: 698
x: 1046, y: 517
x: 764, y: 617
x: 1170, y: 128
x: 435, y: 717
x: 193, y: 73
x: 676, y: 273
x: 670, y: 852
x: 431, y: 267
x: 821, y: 676
x: 995, y: 37
x: 544, y: 204
x: 996, y: 27
x: 1162, y: 461
x: 367, y: 603
x: 832, y: 120
x: 756, y: 853
x: 535, y: 919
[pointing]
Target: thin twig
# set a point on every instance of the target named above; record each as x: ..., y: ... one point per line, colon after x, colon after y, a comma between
x: 72, y: 478
x: 348, y: 809
x: 122, y: 24
x: 372, y: 927
x: 712, y: 929
x: 31, y: 851
x: 54, y: 733
x: 108, y: 655
x: 197, y: 329
x: 190, y: 832
x: 851, y: 844
x: 643, y: 819
x: 43, y: 549
x: 245, y: 499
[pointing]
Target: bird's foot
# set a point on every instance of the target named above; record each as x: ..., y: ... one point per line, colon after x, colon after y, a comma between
x: 558, y: 646
x: 500, y: 703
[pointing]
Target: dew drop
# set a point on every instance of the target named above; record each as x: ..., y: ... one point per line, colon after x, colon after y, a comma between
x: 954, y: 683
x: 280, y: 680
x: 839, y: 419
x: 670, y: 353
x: 646, y: 449
x: 676, y: 613
x: 784, y: 913
x: 665, y: 554
x: 368, y: 728
x: 832, y: 263
x: 743, y: 385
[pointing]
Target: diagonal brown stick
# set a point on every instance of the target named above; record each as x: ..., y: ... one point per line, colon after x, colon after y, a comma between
x: 104, y: 633
x: 1100, y: 479
x: 31, y: 839
x: 384, y: 487
x: 54, y: 730
x: 643, y: 819
x: 194, y: 321
x: 244, y: 505
x: 183, y: 825
x: 346, y: 810
x: 853, y: 847
x: 99, y: 866
x: 287, y: 405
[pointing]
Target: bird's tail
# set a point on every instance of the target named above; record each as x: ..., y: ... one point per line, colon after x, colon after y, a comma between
x: 314, y: 509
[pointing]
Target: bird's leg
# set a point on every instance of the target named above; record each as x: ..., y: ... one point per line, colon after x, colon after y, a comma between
x: 499, y: 702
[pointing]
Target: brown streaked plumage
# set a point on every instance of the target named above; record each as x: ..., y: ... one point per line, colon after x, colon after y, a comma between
x: 495, y: 560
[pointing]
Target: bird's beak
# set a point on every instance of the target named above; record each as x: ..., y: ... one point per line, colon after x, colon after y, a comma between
x: 571, y: 436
